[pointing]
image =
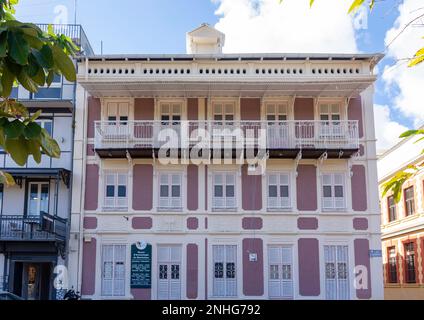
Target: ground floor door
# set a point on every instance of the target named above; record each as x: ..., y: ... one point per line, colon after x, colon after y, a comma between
x: 32, y: 281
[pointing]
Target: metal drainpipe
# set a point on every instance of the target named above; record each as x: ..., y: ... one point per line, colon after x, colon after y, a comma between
x: 68, y: 222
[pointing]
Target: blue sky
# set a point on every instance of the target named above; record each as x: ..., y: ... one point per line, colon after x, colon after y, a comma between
x: 159, y: 26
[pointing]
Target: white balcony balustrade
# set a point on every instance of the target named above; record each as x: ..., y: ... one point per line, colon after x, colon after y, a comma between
x: 282, y: 135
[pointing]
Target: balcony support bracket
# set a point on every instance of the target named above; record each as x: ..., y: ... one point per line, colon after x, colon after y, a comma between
x: 297, y: 160
x: 323, y: 157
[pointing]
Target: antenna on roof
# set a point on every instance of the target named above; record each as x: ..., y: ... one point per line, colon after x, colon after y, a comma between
x: 75, y: 11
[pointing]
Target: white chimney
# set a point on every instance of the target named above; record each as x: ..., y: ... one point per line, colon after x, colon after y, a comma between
x: 205, y: 40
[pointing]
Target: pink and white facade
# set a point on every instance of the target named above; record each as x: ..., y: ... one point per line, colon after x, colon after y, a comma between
x: 218, y: 231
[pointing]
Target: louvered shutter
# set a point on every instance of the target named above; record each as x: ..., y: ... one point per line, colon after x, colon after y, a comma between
x: 274, y: 261
x: 107, y: 270
x: 287, y: 272
x: 119, y: 270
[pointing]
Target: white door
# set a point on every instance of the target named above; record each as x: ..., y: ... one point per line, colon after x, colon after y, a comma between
x: 117, y: 128
x: 169, y: 273
x: 280, y: 279
x: 277, y: 126
x: 38, y: 198
x: 224, y: 270
x: 171, y: 119
x: 113, y: 270
x: 336, y: 272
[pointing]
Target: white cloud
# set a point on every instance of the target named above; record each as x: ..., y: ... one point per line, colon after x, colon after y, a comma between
x: 387, y: 130
x: 267, y: 26
x: 407, y: 82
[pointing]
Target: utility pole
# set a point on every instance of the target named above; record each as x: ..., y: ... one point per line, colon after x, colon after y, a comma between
x: 75, y: 11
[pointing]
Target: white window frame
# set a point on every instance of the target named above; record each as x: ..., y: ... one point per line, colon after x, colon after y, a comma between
x: 173, y: 258
x: 39, y: 184
x: 281, y: 288
x: 42, y: 124
x: 117, y: 281
x: 227, y: 286
x: 337, y: 288
x: 226, y: 201
x: 280, y: 176
x: 115, y: 202
x: 334, y: 108
x: 53, y: 85
x: 173, y: 204
x: 337, y: 203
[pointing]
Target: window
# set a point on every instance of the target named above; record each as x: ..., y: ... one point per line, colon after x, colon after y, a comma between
x: 117, y: 115
x: 170, y: 114
x: 224, y: 195
x: 409, y: 201
x: 223, y: 112
x: 336, y: 272
x: 46, y: 124
x: 278, y: 191
x: 170, y: 191
x: 113, y: 270
x: 38, y: 198
x: 280, y: 282
x: 115, y: 190
x: 392, y: 261
x: 391, y: 205
x: 409, y: 262
x: 276, y: 112
x: 277, y: 126
x: 224, y: 270
x: 330, y: 112
x: 169, y: 272
x: 333, y: 191
x: 52, y: 92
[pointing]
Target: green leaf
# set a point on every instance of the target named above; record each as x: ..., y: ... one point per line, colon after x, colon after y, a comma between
x: 34, y: 42
x: 64, y: 64
x: 44, y: 57
x: 7, y: 80
x: 32, y: 130
x: 311, y: 3
x: 410, y: 133
x: 26, y: 81
x: 49, y: 145
x: 35, y: 116
x: 18, y: 150
x: 14, y: 129
x: 18, y: 48
x: 355, y: 5
x: 34, y: 149
x: 6, y: 179
x: 3, y: 44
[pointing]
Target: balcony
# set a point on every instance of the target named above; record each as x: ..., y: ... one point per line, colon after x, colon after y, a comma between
x: 75, y: 32
x: 285, y: 139
x: 45, y: 228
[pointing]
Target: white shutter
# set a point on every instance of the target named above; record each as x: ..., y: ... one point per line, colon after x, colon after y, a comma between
x: 339, y: 202
x: 119, y: 272
x: 342, y: 273
x: 218, y: 282
x: 274, y: 261
x: 336, y: 272
x: 122, y: 202
x: 107, y: 270
x: 231, y: 283
x: 287, y: 272
x: 169, y: 260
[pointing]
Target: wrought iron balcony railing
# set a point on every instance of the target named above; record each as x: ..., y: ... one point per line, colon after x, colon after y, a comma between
x: 40, y: 228
x: 282, y: 135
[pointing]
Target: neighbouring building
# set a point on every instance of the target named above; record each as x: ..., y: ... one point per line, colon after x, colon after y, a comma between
x: 35, y: 213
x: 402, y: 223
x: 303, y: 229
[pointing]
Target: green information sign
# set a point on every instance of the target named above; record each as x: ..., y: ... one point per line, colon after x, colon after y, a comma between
x: 141, y: 266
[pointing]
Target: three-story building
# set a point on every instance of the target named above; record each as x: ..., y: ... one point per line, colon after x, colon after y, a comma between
x: 298, y: 225
x: 35, y: 213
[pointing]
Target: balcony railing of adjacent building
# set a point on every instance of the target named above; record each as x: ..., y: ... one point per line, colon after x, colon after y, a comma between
x: 269, y: 135
x: 75, y: 32
x: 25, y: 228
